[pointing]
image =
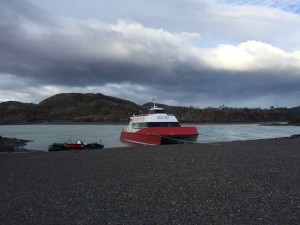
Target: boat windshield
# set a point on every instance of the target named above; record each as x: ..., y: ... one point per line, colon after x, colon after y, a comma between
x: 163, y: 124
x: 156, y: 111
x: 156, y: 124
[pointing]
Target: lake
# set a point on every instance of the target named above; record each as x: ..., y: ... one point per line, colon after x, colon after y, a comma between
x: 43, y: 135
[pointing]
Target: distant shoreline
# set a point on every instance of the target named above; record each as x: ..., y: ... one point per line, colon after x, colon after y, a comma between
x: 96, y: 108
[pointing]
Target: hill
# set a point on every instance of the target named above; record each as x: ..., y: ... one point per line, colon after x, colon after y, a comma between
x: 78, y: 107
x: 74, y: 107
x: 88, y: 108
x: 295, y: 119
x: 13, y: 112
x: 295, y: 109
x: 224, y: 114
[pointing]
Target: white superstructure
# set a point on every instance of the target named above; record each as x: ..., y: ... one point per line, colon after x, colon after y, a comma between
x: 155, y: 118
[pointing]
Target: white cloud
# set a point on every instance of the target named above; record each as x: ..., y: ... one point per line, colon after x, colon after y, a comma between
x: 252, y: 56
x: 148, y: 46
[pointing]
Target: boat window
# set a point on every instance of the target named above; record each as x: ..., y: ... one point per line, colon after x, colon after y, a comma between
x: 139, y: 125
x: 157, y: 111
x: 163, y: 124
x: 155, y: 124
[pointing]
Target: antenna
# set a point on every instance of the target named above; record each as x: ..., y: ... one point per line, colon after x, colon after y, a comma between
x: 153, y: 99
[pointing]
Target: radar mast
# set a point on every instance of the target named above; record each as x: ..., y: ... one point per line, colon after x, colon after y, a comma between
x: 153, y: 100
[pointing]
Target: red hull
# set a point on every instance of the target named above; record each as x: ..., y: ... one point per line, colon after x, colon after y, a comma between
x: 161, y: 135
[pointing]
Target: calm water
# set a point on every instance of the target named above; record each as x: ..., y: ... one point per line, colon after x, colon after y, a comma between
x: 43, y: 135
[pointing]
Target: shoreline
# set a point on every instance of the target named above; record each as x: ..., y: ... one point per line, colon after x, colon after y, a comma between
x: 241, y: 182
x: 15, y: 145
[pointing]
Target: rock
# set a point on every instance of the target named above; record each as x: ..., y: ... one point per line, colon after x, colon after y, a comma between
x: 11, y: 144
x: 295, y: 136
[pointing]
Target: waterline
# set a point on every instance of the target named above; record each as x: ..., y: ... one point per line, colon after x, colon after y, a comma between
x: 44, y: 135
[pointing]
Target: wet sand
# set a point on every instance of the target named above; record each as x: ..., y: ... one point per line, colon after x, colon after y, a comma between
x: 250, y: 182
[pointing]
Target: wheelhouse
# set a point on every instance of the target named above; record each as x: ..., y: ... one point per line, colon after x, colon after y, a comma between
x: 156, y: 110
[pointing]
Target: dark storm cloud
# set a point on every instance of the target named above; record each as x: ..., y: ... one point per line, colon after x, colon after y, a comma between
x: 87, y: 56
x: 38, y: 51
x: 227, y: 88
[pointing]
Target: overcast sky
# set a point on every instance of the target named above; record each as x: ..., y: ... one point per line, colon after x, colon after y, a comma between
x: 240, y: 53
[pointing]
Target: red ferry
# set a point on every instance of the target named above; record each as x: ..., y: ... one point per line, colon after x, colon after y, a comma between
x: 157, y: 128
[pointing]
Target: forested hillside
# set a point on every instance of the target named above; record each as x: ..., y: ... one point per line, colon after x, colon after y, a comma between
x: 73, y: 107
x: 77, y: 107
x: 228, y: 115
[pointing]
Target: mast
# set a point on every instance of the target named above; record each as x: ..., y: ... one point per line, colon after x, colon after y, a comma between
x: 153, y: 100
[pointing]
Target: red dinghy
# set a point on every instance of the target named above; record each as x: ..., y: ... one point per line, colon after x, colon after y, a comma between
x: 75, y: 146
x: 79, y: 145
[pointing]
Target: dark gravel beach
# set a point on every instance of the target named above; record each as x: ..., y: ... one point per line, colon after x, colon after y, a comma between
x: 251, y: 182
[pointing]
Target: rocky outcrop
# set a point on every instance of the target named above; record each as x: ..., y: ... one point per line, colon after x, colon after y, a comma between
x: 11, y: 144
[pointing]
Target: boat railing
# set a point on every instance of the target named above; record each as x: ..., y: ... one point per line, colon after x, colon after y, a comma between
x: 148, y: 115
x: 141, y: 115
